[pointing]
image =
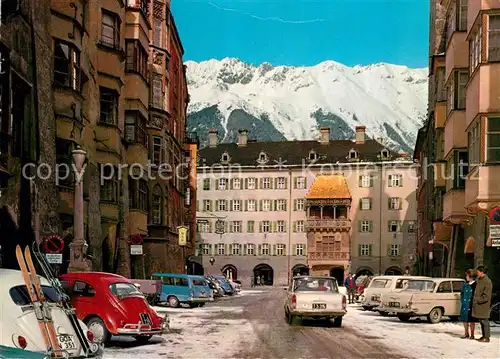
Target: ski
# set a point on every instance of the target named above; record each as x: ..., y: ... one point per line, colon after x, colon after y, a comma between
x: 44, y: 304
x: 34, y: 299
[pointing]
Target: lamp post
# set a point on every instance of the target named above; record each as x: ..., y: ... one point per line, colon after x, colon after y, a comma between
x: 78, y: 246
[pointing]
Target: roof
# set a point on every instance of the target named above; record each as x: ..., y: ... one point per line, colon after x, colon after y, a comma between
x: 401, y: 276
x: 109, y: 277
x: 12, y: 278
x: 293, y: 152
x: 329, y: 186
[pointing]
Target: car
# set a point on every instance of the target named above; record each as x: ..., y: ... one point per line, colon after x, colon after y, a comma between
x: 223, y: 282
x: 15, y: 353
x: 432, y: 298
x: 215, y: 286
x: 178, y: 289
x: 19, y: 326
x: 315, y: 297
x: 110, y: 304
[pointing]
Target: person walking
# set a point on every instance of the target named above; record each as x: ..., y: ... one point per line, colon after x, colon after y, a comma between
x: 481, y: 303
x: 350, y: 286
x: 466, y: 295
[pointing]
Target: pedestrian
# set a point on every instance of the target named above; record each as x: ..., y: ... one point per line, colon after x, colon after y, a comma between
x: 350, y: 286
x: 466, y: 295
x: 481, y: 302
x: 252, y: 283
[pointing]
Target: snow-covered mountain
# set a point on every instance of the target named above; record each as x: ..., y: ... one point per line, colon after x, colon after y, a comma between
x: 290, y: 103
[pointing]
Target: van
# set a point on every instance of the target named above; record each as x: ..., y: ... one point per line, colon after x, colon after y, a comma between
x: 177, y: 289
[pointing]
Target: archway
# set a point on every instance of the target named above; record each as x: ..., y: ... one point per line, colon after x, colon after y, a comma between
x: 263, y: 274
x: 230, y: 272
x: 364, y: 271
x: 195, y: 268
x: 393, y: 271
x: 300, y: 269
x: 338, y: 273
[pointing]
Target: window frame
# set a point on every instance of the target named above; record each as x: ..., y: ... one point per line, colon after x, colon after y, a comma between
x: 73, y: 63
x: 300, y: 226
x: 493, y: 33
x: 109, y: 187
x: 135, y: 128
x: 488, y: 135
x: 115, y: 27
x: 136, y: 60
x: 365, y: 250
x: 299, y: 249
x: 156, y: 209
x: 111, y: 98
x: 474, y: 144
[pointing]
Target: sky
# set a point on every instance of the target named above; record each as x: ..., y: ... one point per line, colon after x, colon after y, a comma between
x: 305, y: 32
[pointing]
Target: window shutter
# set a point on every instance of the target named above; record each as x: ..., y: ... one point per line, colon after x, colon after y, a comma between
x: 389, y: 203
x: 295, y: 182
x: 197, y: 206
x: 256, y: 181
x: 260, y: 226
x: 305, y: 182
x: 401, y: 181
x: 261, y: 180
x: 230, y: 183
x: 294, y: 226
x: 271, y: 183
x: 275, y: 182
x: 370, y: 250
x: 216, y: 205
x: 217, y: 182
x: 294, y: 204
x: 284, y: 206
x: 245, y: 249
x: 390, y: 181
x: 361, y: 203
x: 246, y: 205
x: 230, y: 229
x: 400, y: 203
x: 359, y: 226
x: 359, y: 250
x: 388, y: 250
x: 226, y: 249
x: 305, y: 250
x: 260, y: 249
x: 370, y: 203
x: 388, y: 226
x: 226, y: 225
x: 246, y: 183
x: 284, y: 250
x: 400, y: 226
x: 212, y: 249
x: 371, y: 181
x: 294, y: 250
x: 230, y: 247
x: 211, y: 226
x: 370, y: 226
x: 231, y: 205
x: 286, y: 183
x: 275, y: 226
x: 260, y: 205
x: 274, y: 249
x: 360, y: 181
x: 275, y: 205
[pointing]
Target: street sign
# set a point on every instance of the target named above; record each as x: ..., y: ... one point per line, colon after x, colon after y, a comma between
x: 495, y: 215
x: 495, y: 230
x: 136, y: 249
x: 183, y: 230
x: 53, y: 244
x: 495, y: 242
x: 54, y: 258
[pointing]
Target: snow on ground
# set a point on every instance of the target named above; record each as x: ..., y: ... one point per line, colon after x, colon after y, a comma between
x: 421, y: 339
x: 215, y: 331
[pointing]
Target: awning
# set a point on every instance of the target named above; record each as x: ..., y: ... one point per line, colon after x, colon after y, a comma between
x: 469, y: 247
x: 328, y: 187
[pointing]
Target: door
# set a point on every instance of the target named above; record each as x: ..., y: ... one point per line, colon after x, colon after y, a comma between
x: 445, y: 297
x: 457, y: 289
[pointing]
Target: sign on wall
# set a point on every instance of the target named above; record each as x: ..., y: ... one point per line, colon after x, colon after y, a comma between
x: 136, y: 249
x: 183, y: 230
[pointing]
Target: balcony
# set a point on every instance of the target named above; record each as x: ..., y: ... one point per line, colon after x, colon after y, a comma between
x: 335, y: 224
x: 328, y: 256
x: 453, y: 206
x: 454, y: 134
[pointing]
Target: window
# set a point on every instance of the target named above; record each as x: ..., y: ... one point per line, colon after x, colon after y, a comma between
x: 83, y: 289
x: 444, y: 287
x: 462, y: 15
x: 394, y: 250
x: 138, y: 194
x: 281, y: 205
x: 365, y: 204
x: 474, y: 144
x: 300, y: 182
x: 251, y: 183
x: 265, y: 205
x: 384, y: 154
x: 236, y: 183
x: 494, y: 38
x: 265, y: 226
x: 281, y: 183
x: 262, y: 157
x: 236, y: 249
x: 251, y: 205
x: 281, y: 227
x: 109, y: 106
x: 66, y: 65
x: 475, y: 49
x: 456, y: 90
x: 20, y: 295
x: 139, y: 4
x: 299, y: 249
x: 396, y: 180
x: 203, y: 227
x: 221, y: 205
x: 251, y: 249
x: 157, y: 150
x: 365, y: 226
x: 266, y: 183
x: 157, y: 32
x: 63, y: 157
x: 221, y: 249
x: 451, y: 22
x: 493, y: 139
x: 207, y: 249
x: 440, y: 84
x: 236, y: 205
x: 365, y: 250
x: 365, y: 181
x: 265, y: 249
x: 457, y: 286
x: 300, y: 226
x: 157, y: 205
x: 411, y: 226
x: 158, y: 92
x: 224, y: 157
x: 313, y: 155
x: 222, y: 184
x: 137, y: 58
x: 353, y: 154
x: 123, y: 289
x: 110, y: 185
x: 135, y: 128
x: 206, y: 184
x: 280, y: 250
x: 251, y: 226
x: 207, y: 205
x: 110, y: 29
x: 457, y: 169
x: 395, y: 203
x: 395, y: 226
x: 299, y: 204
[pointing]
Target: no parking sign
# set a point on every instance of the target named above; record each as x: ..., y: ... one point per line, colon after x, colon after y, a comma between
x: 495, y: 215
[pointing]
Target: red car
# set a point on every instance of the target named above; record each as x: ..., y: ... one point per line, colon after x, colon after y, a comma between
x: 110, y: 304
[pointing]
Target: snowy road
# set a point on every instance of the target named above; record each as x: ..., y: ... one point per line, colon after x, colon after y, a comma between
x: 252, y: 325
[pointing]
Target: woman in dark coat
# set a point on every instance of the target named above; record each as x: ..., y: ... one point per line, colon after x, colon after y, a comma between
x: 466, y: 296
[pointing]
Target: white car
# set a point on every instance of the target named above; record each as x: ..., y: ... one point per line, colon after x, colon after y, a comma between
x: 19, y: 326
x: 315, y: 297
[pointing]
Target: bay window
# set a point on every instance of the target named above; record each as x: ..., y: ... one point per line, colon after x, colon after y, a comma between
x: 475, y: 44
x: 138, y: 194
x: 137, y: 58
x: 457, y: 91
x: 494, y: 38
x: 474, y: 144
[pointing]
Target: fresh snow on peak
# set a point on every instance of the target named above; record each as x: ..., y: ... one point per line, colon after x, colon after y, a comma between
x: 291, y: 102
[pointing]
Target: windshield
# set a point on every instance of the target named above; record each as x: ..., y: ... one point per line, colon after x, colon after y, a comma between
x: 380, y: 283
x: 200, y: 282
x: 20, y: 296
x: 420, y: 285
x: 124, y: 289
x: 315, y: 285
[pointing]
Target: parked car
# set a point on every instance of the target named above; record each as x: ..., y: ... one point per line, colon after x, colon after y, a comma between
x: 315, y: 297
x: 236, y: 286
x: 215, y: 286
x: 110, y: 304
x: 432, y: 298
x: 15, y: 353
x: 224, y: 283
x: 382, y: 284
x: 19, y: 326
x: 361, y: 283
x: 150, y: 288
x: 180, y: 289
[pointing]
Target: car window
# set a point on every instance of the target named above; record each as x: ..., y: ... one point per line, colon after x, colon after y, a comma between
x: 444, y: 287
x: 315, y: 285
x: 178, y: 281
x: 20, y: 296
x: 420, y: 285
x: 457, y: 286
x: 123, y: 289
x: 401, y: 283
x: 380, y: 283
x: 83, y: 289
x: 199, y: 282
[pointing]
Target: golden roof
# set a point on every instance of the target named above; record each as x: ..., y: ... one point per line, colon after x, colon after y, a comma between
x: 329, y: 186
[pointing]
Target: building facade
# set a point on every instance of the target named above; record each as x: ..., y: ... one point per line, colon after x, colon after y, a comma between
x: 115, y: 94
x: 269, y: 210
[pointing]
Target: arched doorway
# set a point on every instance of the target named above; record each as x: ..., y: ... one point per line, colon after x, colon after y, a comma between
x: 300, y: 269
x: 364, y: 271
x: 338, y: 273
x: 393, y: 271
x: 263, y: 274
x: 230, y: 272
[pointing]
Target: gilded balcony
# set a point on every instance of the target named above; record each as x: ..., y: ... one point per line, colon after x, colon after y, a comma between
x: 328, y: 224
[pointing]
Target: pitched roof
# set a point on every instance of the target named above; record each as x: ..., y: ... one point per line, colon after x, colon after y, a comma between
x: 329, y: 186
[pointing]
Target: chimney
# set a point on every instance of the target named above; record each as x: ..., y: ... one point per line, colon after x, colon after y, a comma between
x: 212, y: 137
x: 242, y: 137
x: 360, y: 134
x: 324, y: 137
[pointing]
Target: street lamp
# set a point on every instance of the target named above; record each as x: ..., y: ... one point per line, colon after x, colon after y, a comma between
x: 78, y: 246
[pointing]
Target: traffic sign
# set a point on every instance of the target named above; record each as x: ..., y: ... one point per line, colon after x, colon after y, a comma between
x: 495, y: 215
x: 53, y: 244
x: 494, y: 230
x: 54, y: 258
x: 136, y: 249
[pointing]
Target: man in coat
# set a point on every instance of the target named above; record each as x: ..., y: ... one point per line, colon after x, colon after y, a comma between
x: 481, y: 303
x: 350, y: 286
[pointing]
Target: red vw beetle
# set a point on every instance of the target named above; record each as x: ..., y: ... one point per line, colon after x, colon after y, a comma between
x: 110, y: 304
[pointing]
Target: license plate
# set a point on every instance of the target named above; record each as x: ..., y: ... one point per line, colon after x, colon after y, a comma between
x: 145, y: 318
x: 319, y: 306
x: 394, y: 304
x: 66, y: 342
x: 375, y: 299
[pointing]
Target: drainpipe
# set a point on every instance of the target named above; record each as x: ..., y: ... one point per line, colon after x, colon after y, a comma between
x: 290, y: 203
x: 381, y: 188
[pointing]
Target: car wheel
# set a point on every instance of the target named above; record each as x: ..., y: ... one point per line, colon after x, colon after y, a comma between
x: 404, y: 318
x: 291, y: 318
x: 384, y: 314
x: 193, y: 305
x: 454, y: 318
x: 435, y: 315
x: 173, y: 302
x: 201, y: 304
x: 337, y: 322
x: 98, y: 328
x: 143, y: 339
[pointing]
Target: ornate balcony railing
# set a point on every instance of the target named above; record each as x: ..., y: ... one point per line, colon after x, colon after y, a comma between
x: 341, y: 224
x: 328, y: 255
